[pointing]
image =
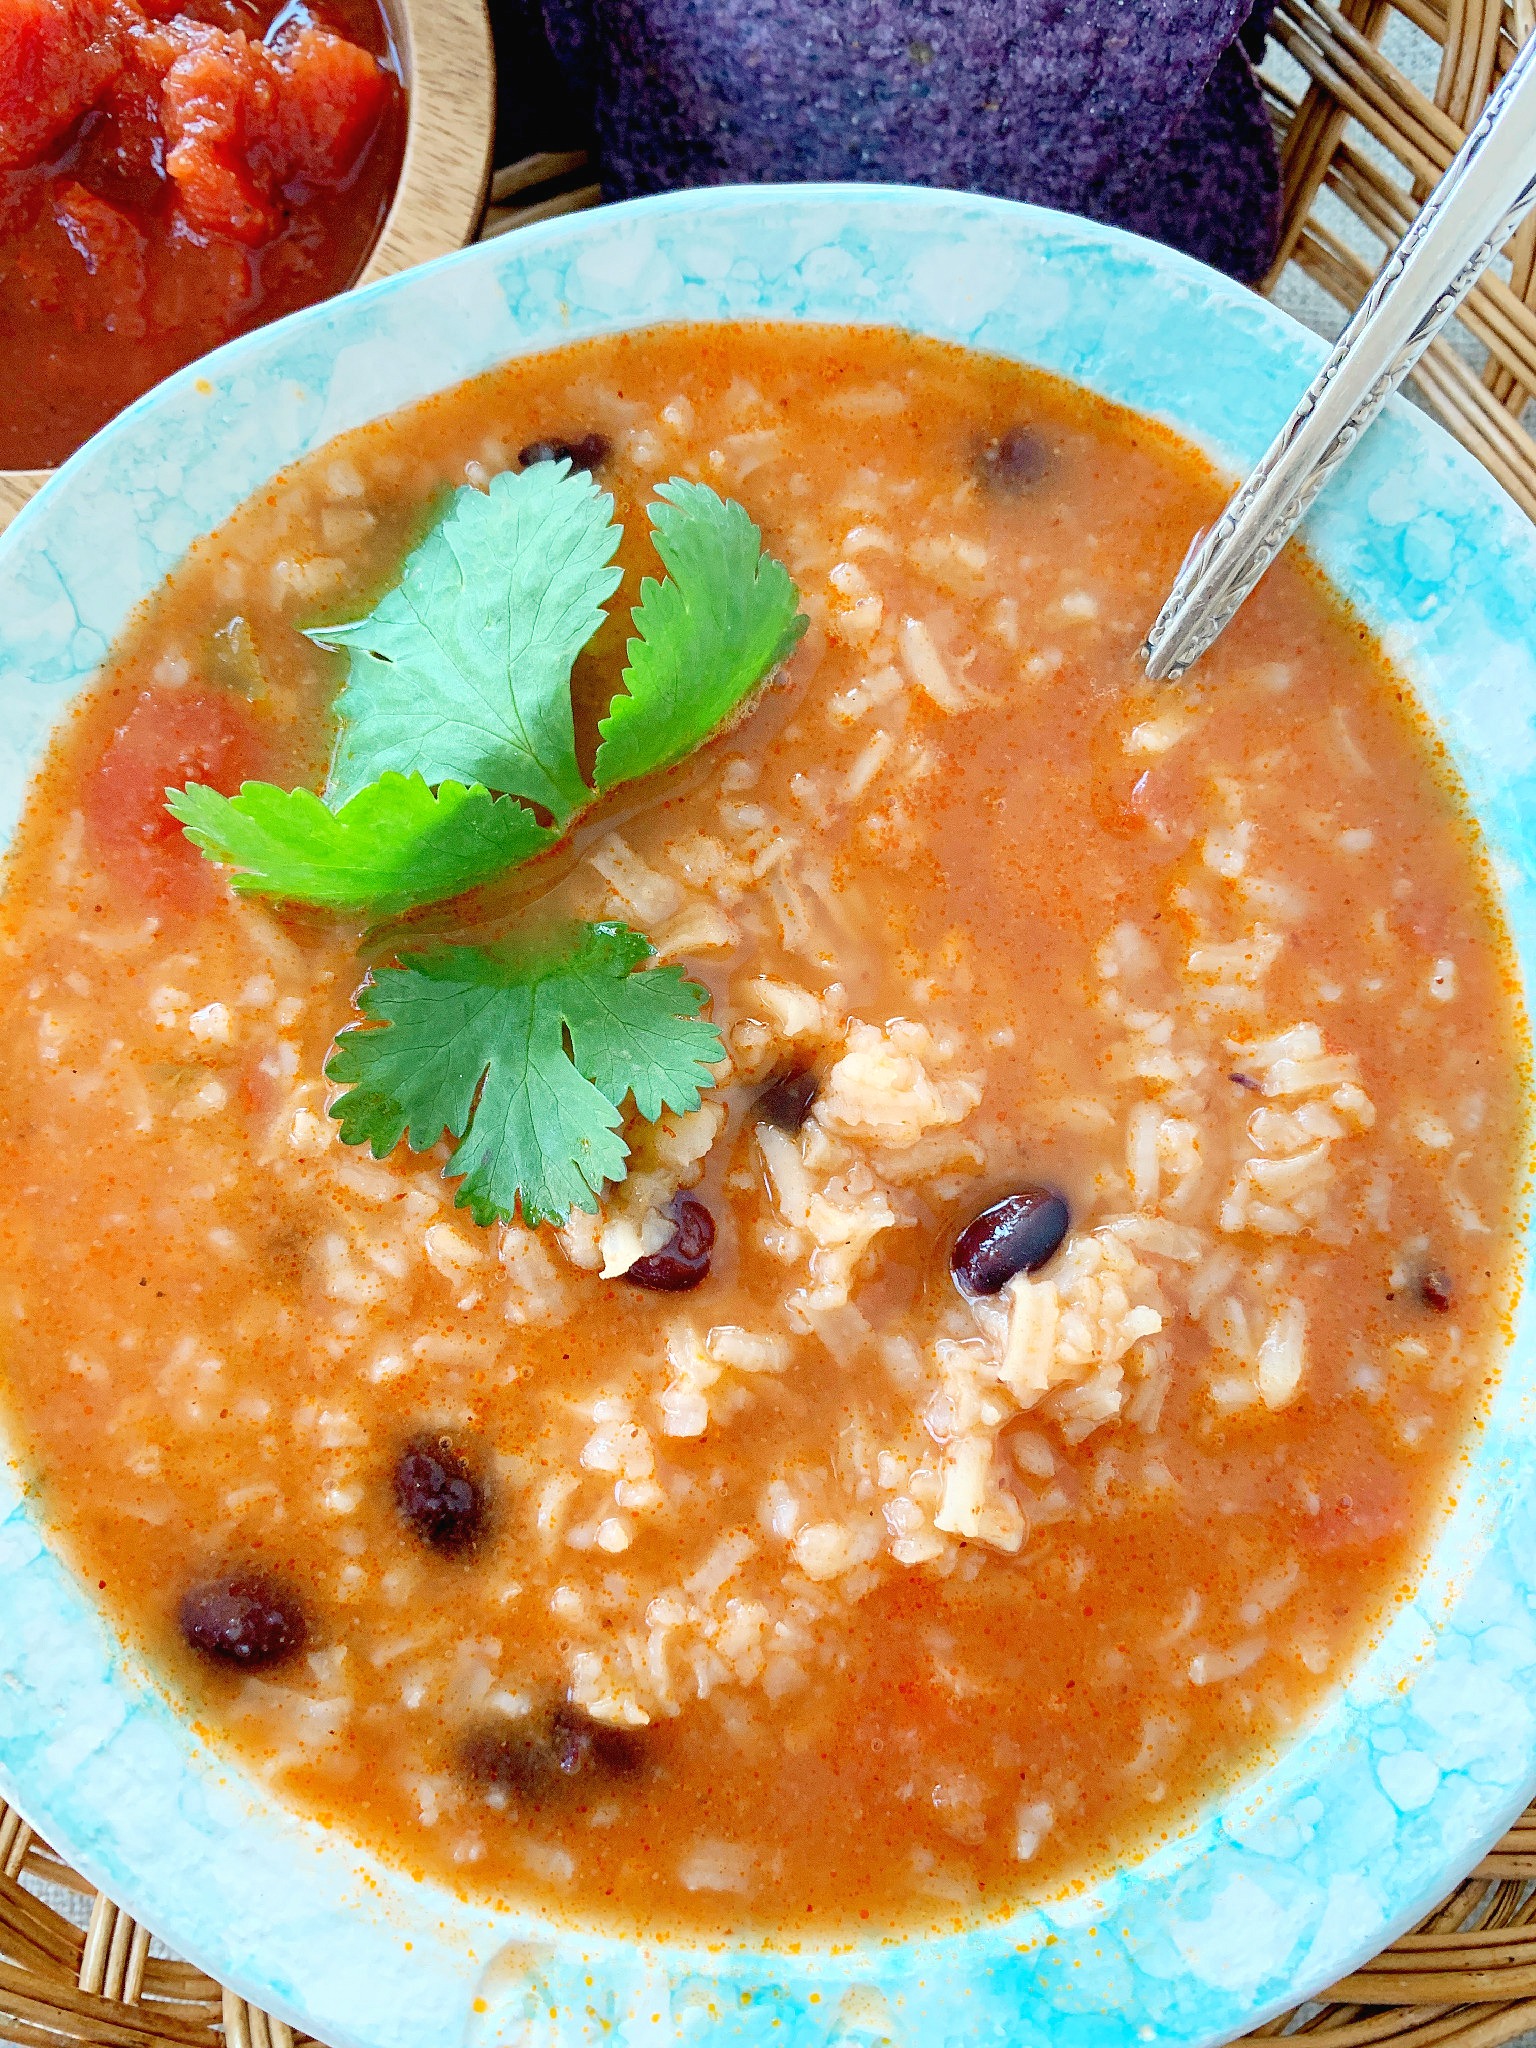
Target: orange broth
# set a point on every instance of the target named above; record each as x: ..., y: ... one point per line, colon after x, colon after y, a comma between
x: 861, y: 1632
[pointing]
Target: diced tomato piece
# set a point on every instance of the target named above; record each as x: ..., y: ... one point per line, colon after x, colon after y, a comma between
x: 243, y: 121
x: 332, y: 96
x: 125, y: 151
x: 57, y: 58
x: 160, y: 41
x: 112, y: 249
x: 124, y: 154
x: 164, y: 743
x: 218, y: 196
x: 219, y: 105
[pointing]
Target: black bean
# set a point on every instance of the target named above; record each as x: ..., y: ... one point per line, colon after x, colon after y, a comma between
x: 437, y: 1495
x: 786, y: 1102
x: 1436, y: 1291
x: 587, y: 451
x: 1015, y: 461
x: 541, y: 1756
x: 580, y: 1744
x: 1246, y: 1081
x: 242, y: 1621
x: 683, y: 1260
x: 1016, y: 1235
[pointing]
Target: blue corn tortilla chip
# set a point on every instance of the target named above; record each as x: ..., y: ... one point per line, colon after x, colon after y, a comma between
x: 535, y: 109
x: 1069, y: 103
x: 1213, y: 190
x: 1254, y: 34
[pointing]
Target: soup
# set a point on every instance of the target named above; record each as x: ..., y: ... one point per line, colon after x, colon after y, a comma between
x: 989, y: 1423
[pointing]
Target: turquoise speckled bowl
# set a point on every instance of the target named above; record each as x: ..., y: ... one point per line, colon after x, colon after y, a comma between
x: 1419, y: 1761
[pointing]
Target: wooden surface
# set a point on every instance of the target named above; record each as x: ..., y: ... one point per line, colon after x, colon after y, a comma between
x: 16, y: 486
x: 450, y: 74
x: 445, y: 48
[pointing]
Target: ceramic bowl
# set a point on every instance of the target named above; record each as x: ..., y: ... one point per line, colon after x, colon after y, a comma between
x: 444, y: 49
x: 1418, y: 1761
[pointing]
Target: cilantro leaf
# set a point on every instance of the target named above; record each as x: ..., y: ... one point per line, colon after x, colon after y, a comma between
x: 463, y: 670
x: 393, y: 846
x: 524, y: 1054
x: 724, y: 617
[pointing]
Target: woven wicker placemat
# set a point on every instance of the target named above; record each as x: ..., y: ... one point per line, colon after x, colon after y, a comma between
x: 1371, y: 101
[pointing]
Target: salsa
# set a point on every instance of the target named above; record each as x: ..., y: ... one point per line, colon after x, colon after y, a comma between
x: 1000, y: 1414
x: 169, y: 177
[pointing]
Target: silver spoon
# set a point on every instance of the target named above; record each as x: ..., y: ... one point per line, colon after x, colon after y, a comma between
x: 1484, y: 195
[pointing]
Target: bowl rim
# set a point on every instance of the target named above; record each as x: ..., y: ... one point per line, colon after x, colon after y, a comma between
x: 450, y: 80
x: 449, y: 68
x: 974, y: 263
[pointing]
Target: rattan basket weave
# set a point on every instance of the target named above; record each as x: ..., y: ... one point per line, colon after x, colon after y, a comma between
x: 1362, y: 144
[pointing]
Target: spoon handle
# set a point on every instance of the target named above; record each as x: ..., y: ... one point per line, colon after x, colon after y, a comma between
x: 1476, y: 207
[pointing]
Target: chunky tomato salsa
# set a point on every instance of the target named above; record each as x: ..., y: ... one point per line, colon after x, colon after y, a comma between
x: 170, y: 177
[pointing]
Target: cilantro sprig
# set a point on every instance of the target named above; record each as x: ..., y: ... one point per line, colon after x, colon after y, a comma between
x: 459, y: 683
x: 454, y: 722
x: 394, y: 845
x: 725, y: 616
x: 464, y: 669
x: 525, y: 1055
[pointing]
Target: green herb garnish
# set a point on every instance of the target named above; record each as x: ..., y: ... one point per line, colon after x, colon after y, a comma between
x: 462, y: 674
x: 394, y: 845
x: 725, y: 616
x: 464, y: 669
x: 455, y: 718
x: 526, y: 1057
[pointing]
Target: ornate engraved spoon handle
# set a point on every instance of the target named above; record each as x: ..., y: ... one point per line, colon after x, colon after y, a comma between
x: 1476, y: 207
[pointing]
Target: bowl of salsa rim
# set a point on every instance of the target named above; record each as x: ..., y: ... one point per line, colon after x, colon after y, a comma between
x: 448, y: 70
x: 1285, y: 1880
